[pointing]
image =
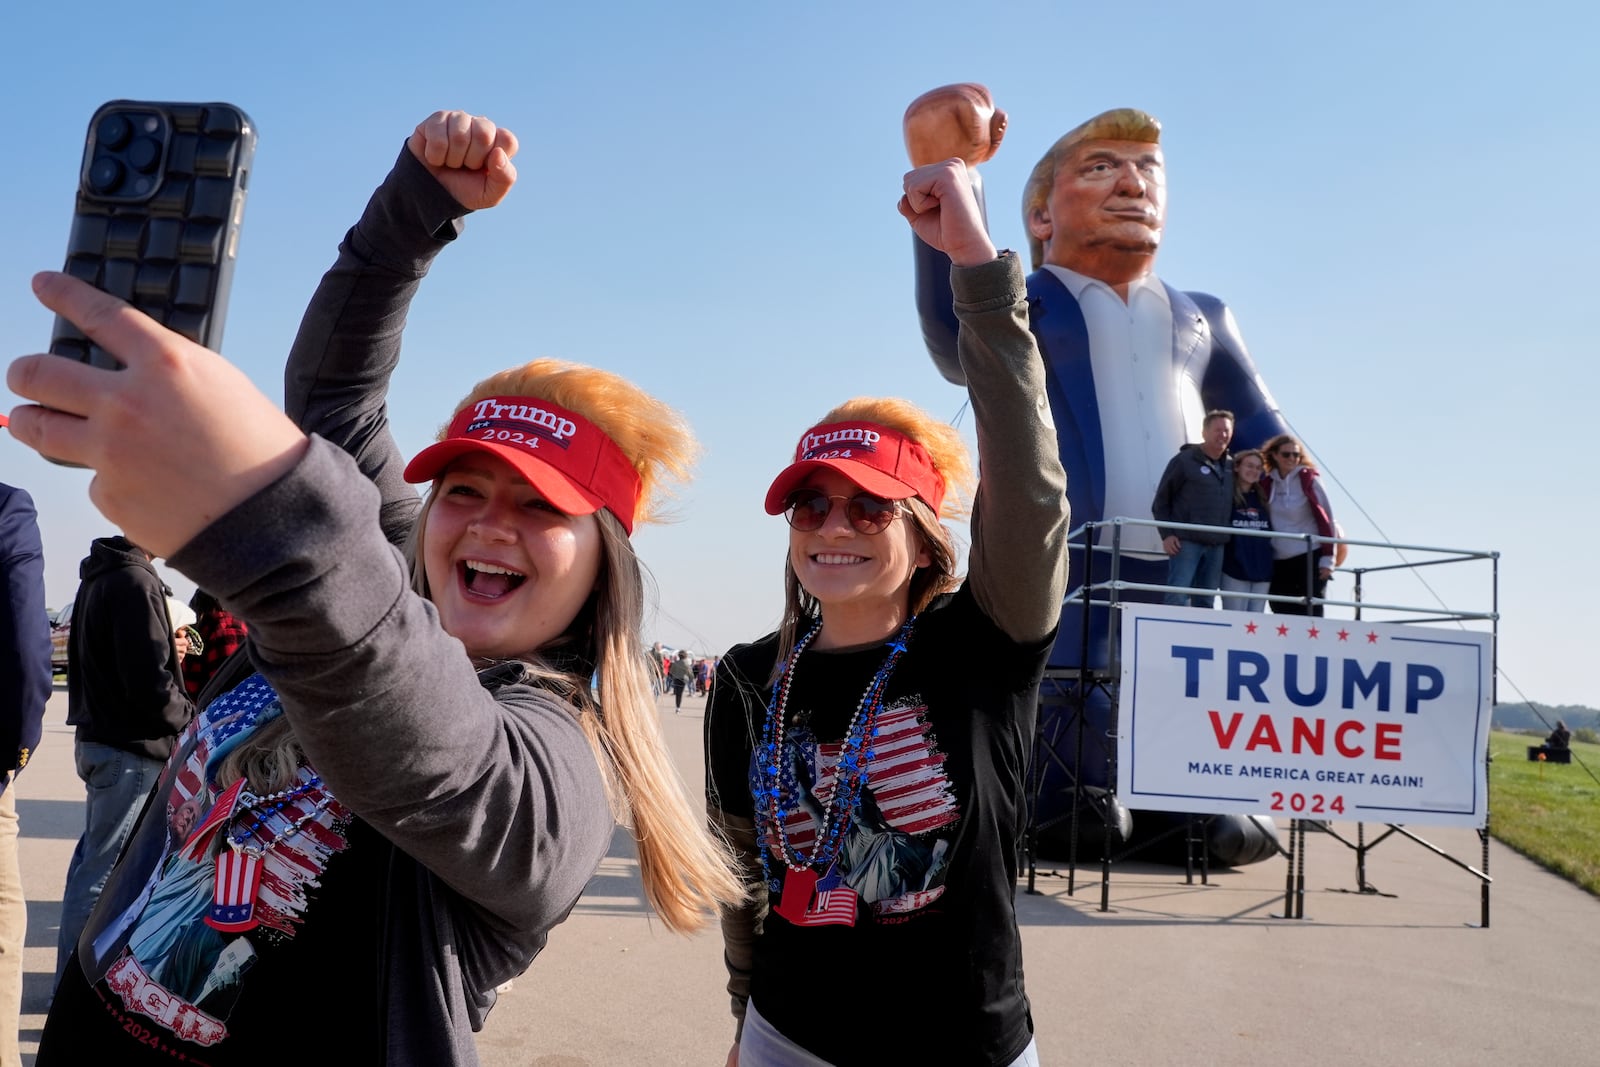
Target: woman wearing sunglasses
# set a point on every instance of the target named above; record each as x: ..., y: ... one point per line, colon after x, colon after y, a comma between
x: 868, y: 758
x: 1299, y: 506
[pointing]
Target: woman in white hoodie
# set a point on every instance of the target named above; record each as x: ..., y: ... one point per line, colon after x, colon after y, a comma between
x: 1299, y: 506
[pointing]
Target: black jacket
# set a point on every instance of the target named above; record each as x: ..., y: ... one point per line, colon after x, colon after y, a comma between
x: 124, y: 687
x: 1195, y: 488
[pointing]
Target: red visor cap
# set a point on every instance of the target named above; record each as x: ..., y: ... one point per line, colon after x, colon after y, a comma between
x: 563, y: 455
x: 882, y: 461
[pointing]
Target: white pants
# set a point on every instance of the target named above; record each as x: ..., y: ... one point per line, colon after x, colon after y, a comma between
x: 13, y: 929
x: 1231, y: 584
x: 762, y: 1046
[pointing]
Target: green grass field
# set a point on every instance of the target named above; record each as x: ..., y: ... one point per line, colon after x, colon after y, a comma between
x: 1548, y: 812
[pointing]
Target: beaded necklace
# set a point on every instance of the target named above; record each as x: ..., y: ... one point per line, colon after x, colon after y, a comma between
x: 265, y: 807
x: 775, y: 778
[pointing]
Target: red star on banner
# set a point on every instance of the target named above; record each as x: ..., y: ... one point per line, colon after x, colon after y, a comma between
x: 1283, y: 631
x: 1313, y: 632
x: 1250, y: 627
x: 1372, y: 638
x: 1344, y: 635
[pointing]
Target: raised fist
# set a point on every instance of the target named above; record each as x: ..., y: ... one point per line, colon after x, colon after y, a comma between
x: 942, y: 208
x: 468, y: 154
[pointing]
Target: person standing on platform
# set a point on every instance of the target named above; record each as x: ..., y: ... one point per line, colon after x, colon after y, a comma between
x: 1197, y: 488
x: 1247, y: 561
x: 1299, y: 506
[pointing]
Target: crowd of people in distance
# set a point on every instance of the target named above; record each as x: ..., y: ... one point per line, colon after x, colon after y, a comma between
x: 1242, y: 496
x: 682, y: 671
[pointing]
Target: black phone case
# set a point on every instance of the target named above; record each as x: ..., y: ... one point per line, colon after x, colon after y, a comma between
x: 168, y: 249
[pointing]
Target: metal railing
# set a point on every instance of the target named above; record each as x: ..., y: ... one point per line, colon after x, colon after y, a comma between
x: 1082, y: 537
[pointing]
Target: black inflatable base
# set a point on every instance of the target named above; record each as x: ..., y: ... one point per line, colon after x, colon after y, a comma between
x: 1055, y: 839
x: 1158, y: 836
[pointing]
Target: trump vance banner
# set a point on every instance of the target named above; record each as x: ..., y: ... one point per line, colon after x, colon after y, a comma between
x: 1303, y: 717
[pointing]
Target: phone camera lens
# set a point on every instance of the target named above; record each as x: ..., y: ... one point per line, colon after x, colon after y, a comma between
x: 114, y: 131
x: 144, y: 154
x: 105, y: 174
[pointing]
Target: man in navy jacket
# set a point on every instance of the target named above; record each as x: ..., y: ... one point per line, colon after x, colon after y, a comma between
x: 24, y: 692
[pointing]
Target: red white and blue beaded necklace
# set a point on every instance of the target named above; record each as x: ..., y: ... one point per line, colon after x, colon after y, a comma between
x: 776, y: 788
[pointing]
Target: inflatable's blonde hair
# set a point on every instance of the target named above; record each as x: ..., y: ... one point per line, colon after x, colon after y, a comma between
x: 950, y: 458
x: 1118, y: 124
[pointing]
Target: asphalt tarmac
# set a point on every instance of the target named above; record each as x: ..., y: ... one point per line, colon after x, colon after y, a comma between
x: 1172, y: 973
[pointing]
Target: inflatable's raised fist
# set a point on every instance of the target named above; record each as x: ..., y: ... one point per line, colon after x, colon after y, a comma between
x: 958, y: 121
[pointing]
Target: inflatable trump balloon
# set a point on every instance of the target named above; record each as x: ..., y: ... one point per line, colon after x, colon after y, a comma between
x: 1132, y: 365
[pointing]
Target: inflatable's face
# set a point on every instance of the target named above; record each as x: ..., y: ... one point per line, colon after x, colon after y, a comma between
x: 1109, y: 199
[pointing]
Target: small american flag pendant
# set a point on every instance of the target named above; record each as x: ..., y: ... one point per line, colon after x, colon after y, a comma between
x: 233, y: 900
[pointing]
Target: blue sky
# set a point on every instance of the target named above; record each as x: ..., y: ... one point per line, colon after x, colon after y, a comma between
x: 1389, y: 196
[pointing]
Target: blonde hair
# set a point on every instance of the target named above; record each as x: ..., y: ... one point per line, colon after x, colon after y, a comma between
x: 655, y: 438
x: 950, y: 458
x: 1118, y: 124
x: 269, y: 760
x: 944, y: 444
x: 687, y: 873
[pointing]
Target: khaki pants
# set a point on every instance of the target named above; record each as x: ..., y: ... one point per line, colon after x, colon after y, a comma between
x: 13, y: 929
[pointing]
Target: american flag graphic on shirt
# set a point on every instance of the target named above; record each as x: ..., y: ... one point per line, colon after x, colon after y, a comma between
x: 907, y: 802
x: 256, y: 902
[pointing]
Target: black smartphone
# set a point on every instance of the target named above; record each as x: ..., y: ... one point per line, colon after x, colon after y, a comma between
x: 160, y: 198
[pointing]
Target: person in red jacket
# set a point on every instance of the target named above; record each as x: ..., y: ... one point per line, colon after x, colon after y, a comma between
x: 221, y: 632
